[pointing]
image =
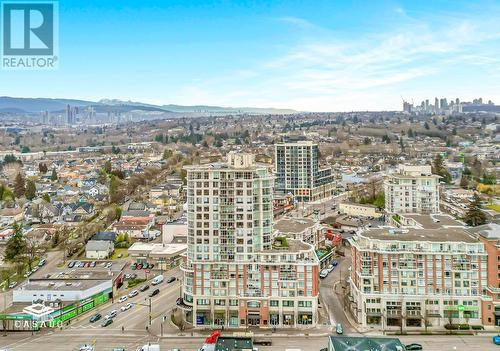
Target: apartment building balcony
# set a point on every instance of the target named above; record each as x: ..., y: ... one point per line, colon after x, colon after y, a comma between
x: 493, y: 289
x: 185, y: 267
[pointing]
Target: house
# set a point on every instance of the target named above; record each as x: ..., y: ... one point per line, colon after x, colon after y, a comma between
x: 99, y: 249
x: 6, y: 234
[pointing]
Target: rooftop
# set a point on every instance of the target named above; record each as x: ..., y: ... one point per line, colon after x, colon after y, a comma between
x: 293, y: 225
x: 350, y: 343
x: 432, y: 235
x: 233, y: 344
x: 434, y: 221
x: 60, y: 284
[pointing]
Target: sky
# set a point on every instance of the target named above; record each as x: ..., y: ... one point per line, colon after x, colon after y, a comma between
x: 307, y: 55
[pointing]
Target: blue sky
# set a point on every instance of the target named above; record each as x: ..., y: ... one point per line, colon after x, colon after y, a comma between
x: 307, y: 55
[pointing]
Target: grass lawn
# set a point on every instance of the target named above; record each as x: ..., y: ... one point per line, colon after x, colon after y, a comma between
x: 495, y: 207
x: 119, y: 251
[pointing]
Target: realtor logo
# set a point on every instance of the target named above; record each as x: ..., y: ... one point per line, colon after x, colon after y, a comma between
x: 29, y: 34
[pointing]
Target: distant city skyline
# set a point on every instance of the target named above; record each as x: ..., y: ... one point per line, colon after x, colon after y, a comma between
x: 321, y: 56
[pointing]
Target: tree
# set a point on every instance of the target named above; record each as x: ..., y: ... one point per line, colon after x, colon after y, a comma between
x: 107, y: 166
x: 464, y: 182
x: 426, y: 126
x: 32, y: 249
x: 5, y: 193
x: 116, y: 194
x: 367, y: 141
x: 53, y: 176
x: 474, y: 215
x: 30, y: 189
x: 42, y: 167
x: 15, y: 245
x: 102, y: 178
x: 410, y: 133
x: 19, y: 185
x: 46, y: 197
x: 439, y: 168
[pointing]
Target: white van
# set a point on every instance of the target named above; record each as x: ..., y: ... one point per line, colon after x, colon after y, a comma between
x: 149, y: 347
x: 157, y: 280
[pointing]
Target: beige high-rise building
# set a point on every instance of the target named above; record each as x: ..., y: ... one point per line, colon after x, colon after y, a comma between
x: 235, y: 273
x: 412, y: 189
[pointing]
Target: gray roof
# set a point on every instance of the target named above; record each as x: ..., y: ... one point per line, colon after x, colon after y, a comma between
x: 488, y: 231
x: 98, y: 245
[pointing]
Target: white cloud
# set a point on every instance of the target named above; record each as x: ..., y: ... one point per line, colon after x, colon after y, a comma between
x: 367, y: 73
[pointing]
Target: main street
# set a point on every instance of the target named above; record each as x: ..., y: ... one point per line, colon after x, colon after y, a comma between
x: 105, y: 340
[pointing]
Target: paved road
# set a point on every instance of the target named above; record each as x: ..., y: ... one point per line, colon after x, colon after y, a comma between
x: 136, y: 318
x: 106, y: 340
x: 330, y: 300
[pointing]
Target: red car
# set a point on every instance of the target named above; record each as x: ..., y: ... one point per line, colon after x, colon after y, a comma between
x: 139, y: 266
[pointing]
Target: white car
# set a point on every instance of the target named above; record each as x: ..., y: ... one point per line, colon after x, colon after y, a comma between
x: 86, y: 348
x: 323, y: 273
x: 111, y: 314
x: 12, y: 285
x: 126, y: 307
x: 123, y: 299
x: 330, y: 268
x: 133, y: 293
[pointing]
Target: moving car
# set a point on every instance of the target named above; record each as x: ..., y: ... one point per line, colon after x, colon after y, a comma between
x: 154, y: 292
x: 126, y: 307
x: 112, y: 314
x: 144, y: 288
x: 171, y: 280
x: 123, y: 299
x: 157, y: 280
x: 339, y: 329
x: 95, y: 318
x: 413, y: 347
x: 107, y: 322
x: 133, y: 293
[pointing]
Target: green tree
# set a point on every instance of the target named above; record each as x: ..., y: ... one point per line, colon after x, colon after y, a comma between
x: 464, y: 182
x: 367, y: 141
x: 15, y: 245
x: 30, y: 189
x: 439, y: 168
x: 46, y: 197
x: 19, y: 185
x: 53, y: 176
x: 107, y: 166
x: 5, y: 193
x: 474, y: 215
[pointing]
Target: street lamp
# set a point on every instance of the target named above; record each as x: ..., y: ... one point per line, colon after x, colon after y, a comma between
x: 146, y: 305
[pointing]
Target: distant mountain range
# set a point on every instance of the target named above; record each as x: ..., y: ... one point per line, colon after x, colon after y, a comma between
x: 37, y: 105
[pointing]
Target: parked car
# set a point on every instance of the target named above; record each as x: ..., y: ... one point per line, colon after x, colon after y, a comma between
x: 339, y: 329
x: 496, y: 339
x: 42, y: 262
x: 12, y: 285
x: 133, y: 276
x: 133, y: 266
x: 111, y: 314
x: 133, y: 293
x: 145, y: 266
x: 171, y: 280
x: 154, y: 292
x: 144, y: 288
x: 109, y: 265
x: 71, y: 264
x: 118, y: 349
x: 335, y: 263
x: 414, y: 347
x: 123, y: 299
x: 95, y: 318
x: 330, y: 268
x: 92, y: 264
x: 107, y: 322
x: 323, y: 274
x: 126, y: 307
x: 139, y: 266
